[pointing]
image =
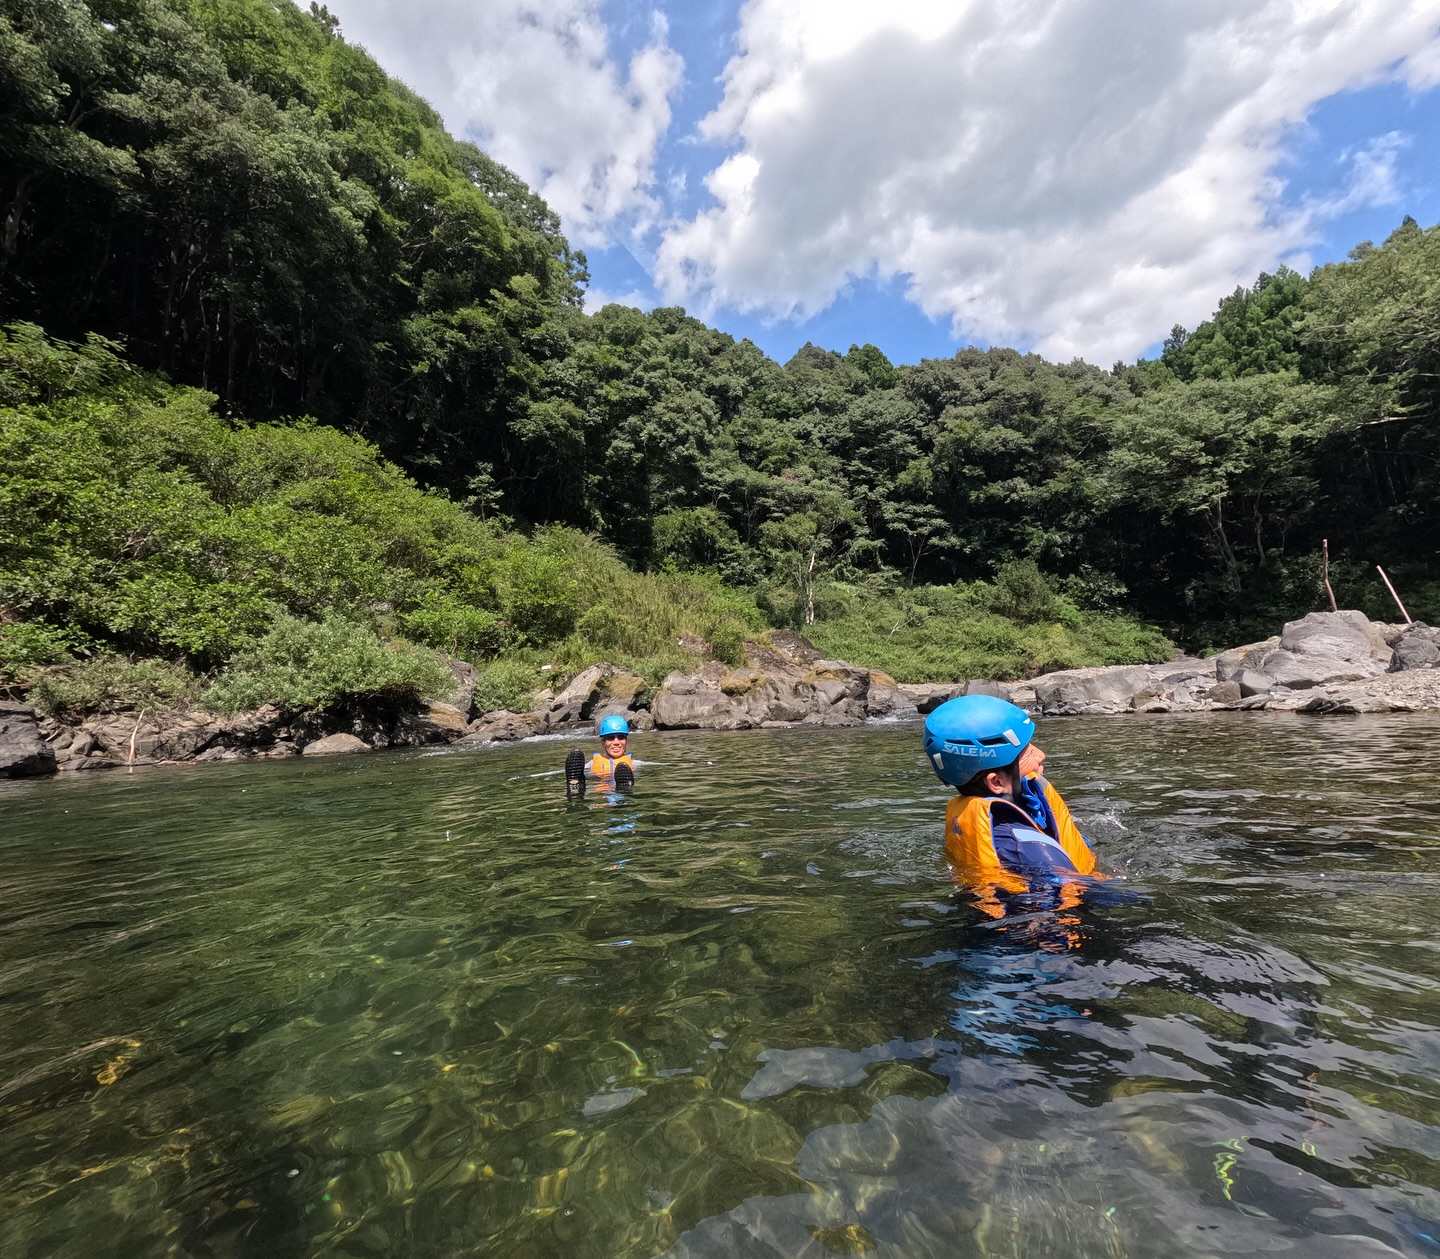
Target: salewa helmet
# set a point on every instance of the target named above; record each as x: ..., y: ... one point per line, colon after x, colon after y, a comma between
x: 614, y: 724
x: 973, y: 733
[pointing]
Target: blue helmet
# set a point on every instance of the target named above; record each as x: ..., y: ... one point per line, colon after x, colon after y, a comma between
x: 614, y: 724
x: 972, y: 733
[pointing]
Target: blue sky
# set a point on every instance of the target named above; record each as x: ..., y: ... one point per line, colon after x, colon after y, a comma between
x: 1072, y: 176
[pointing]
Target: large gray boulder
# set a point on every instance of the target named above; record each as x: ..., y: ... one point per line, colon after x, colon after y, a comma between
x: 335, y: 745
x: 577, y: 701
x: 432, y: 722
x: 1348, y: 635
x: 1317, y: 650
x: 1416, y: 647
x: 1324, y: 648
x: 503, y: 727
x: 1229, y: 663
x: 23, y: 753
x: 165, y: 737
x: 785, y: 683
x: 1104, y: 690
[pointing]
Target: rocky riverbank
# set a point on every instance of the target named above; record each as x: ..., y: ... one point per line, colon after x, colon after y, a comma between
x: 1327, y: 662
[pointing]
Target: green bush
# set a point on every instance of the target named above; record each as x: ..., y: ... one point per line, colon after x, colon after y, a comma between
x: 951, y: 633
x: 540, y: 597
x: 307, y: 665
x: 1022, y: 593
x: 445, y: 623
x: 603, y: 628
x: 25, y: 645
x: 110, y: 683
x: 506, y: 684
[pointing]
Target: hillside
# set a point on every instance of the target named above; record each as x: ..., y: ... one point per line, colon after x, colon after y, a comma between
x: 306, y: 355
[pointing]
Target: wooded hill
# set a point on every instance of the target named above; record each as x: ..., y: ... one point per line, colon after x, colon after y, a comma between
x: 234, y: 197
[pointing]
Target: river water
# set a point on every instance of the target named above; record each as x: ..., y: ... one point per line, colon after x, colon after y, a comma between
x: 417, y: 1004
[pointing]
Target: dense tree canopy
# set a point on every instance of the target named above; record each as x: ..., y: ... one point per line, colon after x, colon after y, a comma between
x: 246, y: 203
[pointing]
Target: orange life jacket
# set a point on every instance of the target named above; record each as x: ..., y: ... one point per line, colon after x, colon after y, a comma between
x: 970, y: 846
x: 969, y: 832
x: 602, y: 766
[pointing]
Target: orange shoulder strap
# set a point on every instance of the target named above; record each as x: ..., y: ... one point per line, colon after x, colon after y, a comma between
x: 1069, y: 835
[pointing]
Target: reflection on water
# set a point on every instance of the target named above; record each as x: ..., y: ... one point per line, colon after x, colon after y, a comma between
x: 419, y: 1004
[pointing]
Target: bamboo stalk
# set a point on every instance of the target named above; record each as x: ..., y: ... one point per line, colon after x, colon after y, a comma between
x: 130, y: 765
x: 1325, y: 572
x: 1393, y: 595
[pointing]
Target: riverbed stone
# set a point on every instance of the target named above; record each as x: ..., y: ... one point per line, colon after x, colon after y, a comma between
x: 983, y: 686
x: 433, y: 722
x: 575, y: 702
x: 503, y: 727
x: 1229, y: 663
x: 1090, y: 691
x: 466, y: 677
x: 1252, y: 682
x: 23, y: 752
x: 928, y: 696
x: 335, y: 745
x: 91, y: 762
x: 1227, y: 692
x: 880, y: 701
x: 1417, y: 646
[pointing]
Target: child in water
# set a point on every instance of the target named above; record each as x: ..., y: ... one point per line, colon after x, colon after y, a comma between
x: 1007, y: 820
x: 612, y: 768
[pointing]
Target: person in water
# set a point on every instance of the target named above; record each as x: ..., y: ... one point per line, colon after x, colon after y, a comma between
x: 612, y: 767
x: 1007, y: 821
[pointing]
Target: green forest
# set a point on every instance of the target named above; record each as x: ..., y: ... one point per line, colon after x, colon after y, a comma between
x: 290, y: 376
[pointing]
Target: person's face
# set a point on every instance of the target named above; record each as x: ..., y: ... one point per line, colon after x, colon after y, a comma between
x: 614, y: 744
x: 1032, y: 761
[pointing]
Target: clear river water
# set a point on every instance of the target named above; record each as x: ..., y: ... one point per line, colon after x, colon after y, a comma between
x: 417, y: 1004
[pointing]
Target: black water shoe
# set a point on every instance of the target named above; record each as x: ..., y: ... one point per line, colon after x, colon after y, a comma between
x: 624, y: 775
x: 575, y: 772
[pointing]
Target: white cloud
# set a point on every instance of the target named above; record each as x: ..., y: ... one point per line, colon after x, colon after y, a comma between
x: 1373, y: 178
x: 596, y: 298
x: 1072, y: 174
x: 534, y: 85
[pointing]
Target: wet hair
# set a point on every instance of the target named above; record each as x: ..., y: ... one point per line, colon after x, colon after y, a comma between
x: 976, y: 786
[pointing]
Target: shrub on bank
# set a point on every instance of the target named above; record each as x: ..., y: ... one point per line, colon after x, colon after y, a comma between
x: 111, y: 683
x: 306, y: 665
x: 944, y: 633
x: 506, y: 684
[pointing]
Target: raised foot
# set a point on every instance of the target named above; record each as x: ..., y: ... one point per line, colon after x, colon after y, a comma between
x: 624, y: 776
x: 574, y: 772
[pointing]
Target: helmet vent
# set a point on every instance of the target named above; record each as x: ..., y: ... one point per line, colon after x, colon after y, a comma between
x: 994, y: 742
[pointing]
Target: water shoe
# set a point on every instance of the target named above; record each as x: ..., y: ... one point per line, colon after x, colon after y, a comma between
x: 624, y: 775
x: 575, y: 772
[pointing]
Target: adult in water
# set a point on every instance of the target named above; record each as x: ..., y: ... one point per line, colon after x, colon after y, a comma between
x: 1007, y: 823
x: 612, y: 767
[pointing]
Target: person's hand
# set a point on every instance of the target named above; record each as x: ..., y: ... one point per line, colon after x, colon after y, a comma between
x: 1032, y: 761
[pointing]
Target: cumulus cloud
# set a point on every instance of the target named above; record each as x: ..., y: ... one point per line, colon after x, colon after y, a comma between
x: 1068, y: 174
x: 536, y: 87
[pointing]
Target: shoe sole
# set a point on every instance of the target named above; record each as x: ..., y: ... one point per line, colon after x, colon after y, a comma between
x: 574, y: 772
x: 624, y: 776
